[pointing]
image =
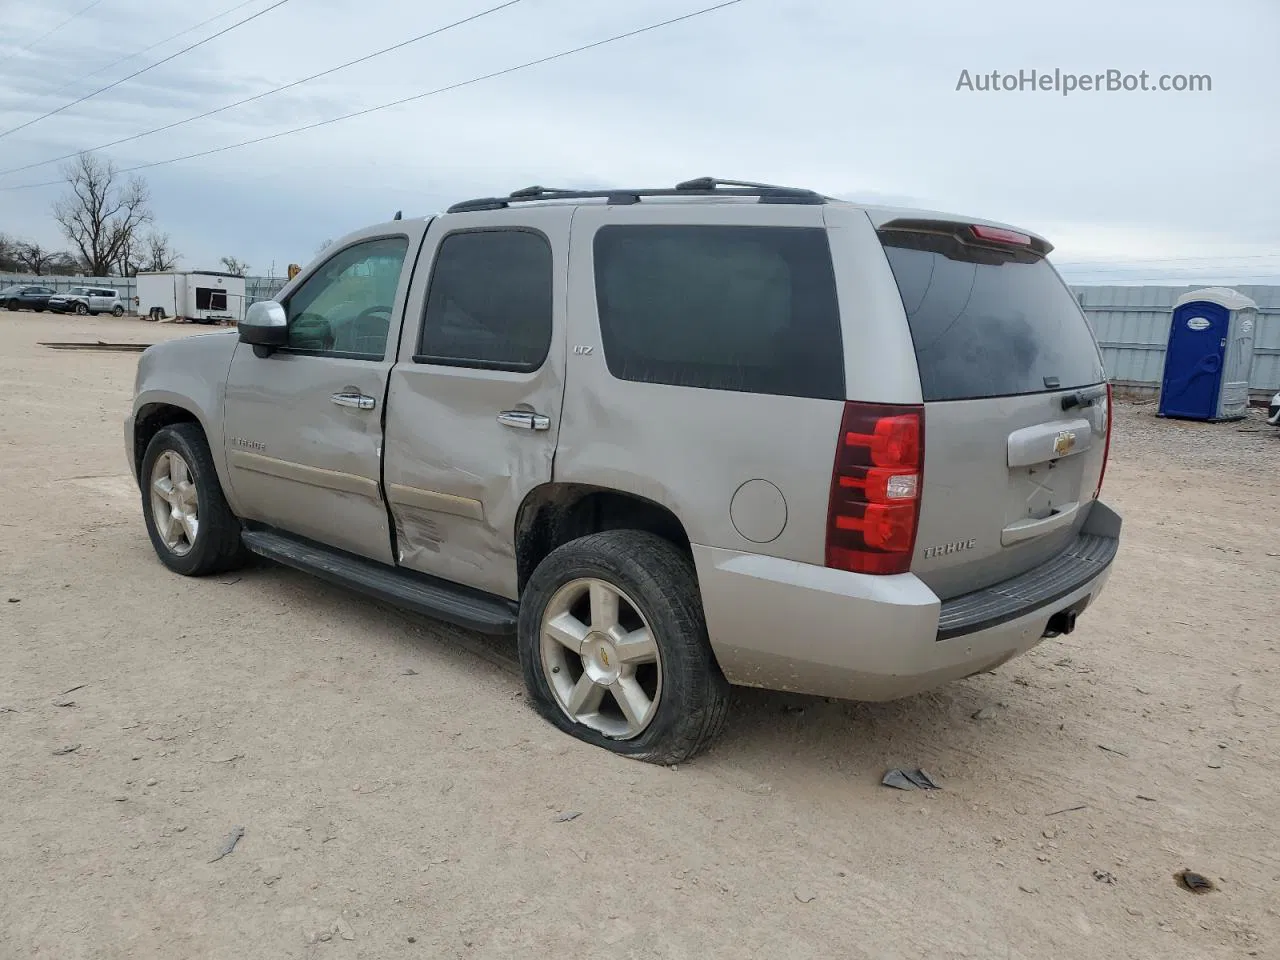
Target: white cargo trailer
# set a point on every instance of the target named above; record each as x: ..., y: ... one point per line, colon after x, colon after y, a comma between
x: 198, y: 296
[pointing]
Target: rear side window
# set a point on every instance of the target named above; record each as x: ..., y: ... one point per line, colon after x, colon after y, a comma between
x: 749, y: 309
x: 489, y: 304
x: 988, y: 322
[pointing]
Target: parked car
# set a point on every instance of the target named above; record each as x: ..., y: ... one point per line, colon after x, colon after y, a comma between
x: 670, y: 439
x: 1273, y: 411
x: 89, y: 301
x: 26, y: 297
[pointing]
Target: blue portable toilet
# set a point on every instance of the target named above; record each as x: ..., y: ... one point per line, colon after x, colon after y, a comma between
x: 1210, y: 356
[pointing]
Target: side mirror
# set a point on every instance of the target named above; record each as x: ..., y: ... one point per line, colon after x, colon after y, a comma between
x: 265, y: 326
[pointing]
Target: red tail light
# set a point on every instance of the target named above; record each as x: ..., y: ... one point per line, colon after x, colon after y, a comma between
x: 1106, y: 449
x: 874, y: 508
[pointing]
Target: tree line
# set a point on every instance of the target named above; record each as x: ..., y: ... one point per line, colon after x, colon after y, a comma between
x: 108, y: 225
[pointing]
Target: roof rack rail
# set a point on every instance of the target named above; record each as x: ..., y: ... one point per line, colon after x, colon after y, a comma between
x: 699, y: 187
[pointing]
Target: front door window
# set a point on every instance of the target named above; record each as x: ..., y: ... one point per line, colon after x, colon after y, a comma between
x: 344, y: 308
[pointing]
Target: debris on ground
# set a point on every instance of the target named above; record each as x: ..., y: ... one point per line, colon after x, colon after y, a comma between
x: 1104, y: 876
x: 64, y: 703
x: 14, y: 600
x: 909, y: 780
x: 101, y: 345
x: 231, y: 759
x: 1054, y: 813
x: 229, y: 844
x: 566, y: 817
x: 1118, y: 753
x: 805, y: 896
x: 409, y: 672
x: 1195, y: 882
x: 343, y: 929
x: 69, y: 748
x: 78, y: 686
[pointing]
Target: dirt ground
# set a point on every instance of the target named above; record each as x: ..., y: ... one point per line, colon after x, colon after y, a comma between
x: 399, y: 799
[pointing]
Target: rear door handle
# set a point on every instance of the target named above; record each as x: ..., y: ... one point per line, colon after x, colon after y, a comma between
x: 524, y: 420
x: 356, y: 400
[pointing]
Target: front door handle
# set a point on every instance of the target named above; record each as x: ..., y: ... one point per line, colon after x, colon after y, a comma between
x: 524, y: 420
x: 356, y: 400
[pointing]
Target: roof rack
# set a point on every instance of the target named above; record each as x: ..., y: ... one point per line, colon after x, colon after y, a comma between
x: 699, y: 187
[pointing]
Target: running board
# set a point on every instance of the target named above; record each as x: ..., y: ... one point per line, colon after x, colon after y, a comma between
x: 419, y: 593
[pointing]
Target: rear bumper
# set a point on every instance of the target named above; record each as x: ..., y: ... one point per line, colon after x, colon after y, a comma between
x: 802, y: 628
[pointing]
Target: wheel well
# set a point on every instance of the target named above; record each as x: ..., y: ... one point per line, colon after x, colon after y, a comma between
x: 556, y: 513
x: 149, y: 421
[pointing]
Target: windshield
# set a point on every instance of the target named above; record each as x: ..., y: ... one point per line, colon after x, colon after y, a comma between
x: 987, y: 321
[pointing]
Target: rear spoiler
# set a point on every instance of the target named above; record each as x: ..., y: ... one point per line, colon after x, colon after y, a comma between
x: 972, y: 234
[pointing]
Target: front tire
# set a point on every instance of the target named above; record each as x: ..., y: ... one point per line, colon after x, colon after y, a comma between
x: 614, y: 648
x: 82, y: 310
x: 190, y: 524
x: 13, y: 304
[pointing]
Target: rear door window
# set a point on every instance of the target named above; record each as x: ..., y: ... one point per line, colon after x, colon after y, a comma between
x: 490, y: 302
x: 988, y: 322
x: 748, y: 309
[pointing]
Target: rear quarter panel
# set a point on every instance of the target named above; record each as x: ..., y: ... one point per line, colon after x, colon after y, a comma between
x: 691, y: 449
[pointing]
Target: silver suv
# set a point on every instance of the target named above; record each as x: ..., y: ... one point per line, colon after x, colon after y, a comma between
x: 671, y: 439
x: 88, y: 301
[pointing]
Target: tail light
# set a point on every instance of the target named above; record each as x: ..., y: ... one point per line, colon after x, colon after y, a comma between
x: 874, y: 508
x: 1106, y: 448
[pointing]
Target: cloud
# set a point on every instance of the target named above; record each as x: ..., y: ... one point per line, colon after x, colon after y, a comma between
x: 856, y: 100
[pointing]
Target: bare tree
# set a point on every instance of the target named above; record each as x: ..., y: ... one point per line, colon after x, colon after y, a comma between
x: 233, y: 266
x: 8, y: 253
x: 63, y: 264
x: 101, y: 215
x: 130, y: 254
x: 158, y: 253
x: 33, y: 258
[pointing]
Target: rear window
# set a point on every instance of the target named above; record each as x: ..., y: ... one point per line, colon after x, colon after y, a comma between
x: 748, y: 309
x: 988, y: 322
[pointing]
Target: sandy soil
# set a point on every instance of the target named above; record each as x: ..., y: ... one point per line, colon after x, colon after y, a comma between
x: 399, y: 799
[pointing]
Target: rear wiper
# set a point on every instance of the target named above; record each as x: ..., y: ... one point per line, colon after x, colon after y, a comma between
x: 1083, y: 398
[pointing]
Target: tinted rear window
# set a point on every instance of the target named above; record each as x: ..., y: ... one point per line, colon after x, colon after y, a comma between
x: 988, y: 323
x: 750, y: 309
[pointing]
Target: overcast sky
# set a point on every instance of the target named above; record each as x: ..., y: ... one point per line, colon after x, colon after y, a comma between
x: 853, y: 98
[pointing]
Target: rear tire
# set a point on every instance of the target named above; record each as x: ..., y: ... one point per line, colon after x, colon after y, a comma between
x: 677, y: 698
x: 117, y: 311
x: 188, y: 519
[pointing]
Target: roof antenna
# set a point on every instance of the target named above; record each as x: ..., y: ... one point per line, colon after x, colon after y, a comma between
x: 397, y: 216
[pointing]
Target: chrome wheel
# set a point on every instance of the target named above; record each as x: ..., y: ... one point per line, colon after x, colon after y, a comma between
x: 175, y: 506
x: 601, y: 659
